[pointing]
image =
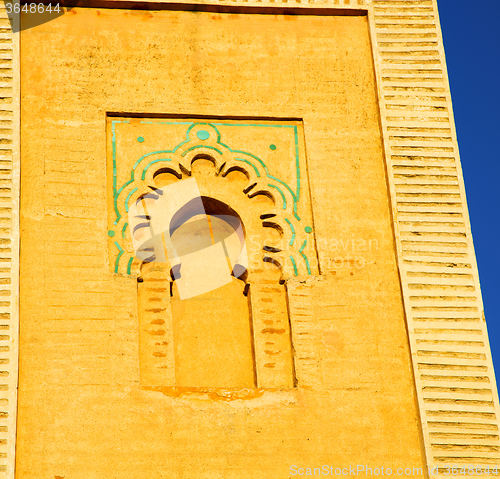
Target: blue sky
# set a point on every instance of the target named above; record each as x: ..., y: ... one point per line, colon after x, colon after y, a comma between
x: 472, y: 42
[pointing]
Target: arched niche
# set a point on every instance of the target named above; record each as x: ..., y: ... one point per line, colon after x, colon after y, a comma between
x: 284, y: 206
x: 235, y: 336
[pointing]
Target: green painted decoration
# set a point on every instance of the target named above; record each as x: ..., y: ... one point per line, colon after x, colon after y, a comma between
x: 196, y: 136
x: 203, y: 135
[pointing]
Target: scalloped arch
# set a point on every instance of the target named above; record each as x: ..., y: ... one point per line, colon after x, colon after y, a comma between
x: 203, y: 140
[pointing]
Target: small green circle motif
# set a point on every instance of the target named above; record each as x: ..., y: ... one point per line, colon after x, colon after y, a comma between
x: 308, y: 229
x: 111, y: 233
x: 273, y: 147
x: 140, y: 139
x: 203, y: 135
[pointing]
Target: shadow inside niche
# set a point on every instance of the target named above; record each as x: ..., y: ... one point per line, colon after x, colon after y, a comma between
x: 26, y: 15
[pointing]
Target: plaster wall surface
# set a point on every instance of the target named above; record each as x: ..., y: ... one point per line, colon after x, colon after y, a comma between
x: 82, y: 410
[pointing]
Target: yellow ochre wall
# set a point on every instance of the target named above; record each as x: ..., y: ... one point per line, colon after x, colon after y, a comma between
x: 82, y: 412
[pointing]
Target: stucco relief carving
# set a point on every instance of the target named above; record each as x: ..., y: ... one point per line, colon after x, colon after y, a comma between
x: 247, y: 318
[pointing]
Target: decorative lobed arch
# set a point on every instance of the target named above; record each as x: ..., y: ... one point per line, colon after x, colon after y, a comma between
x: 296, y: 253
x: 265, y: 286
